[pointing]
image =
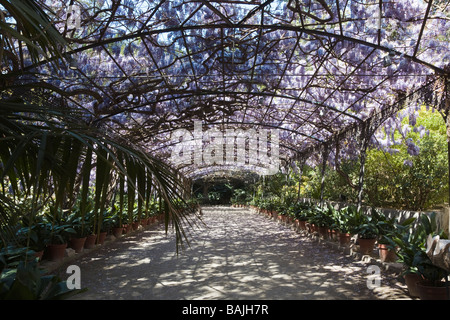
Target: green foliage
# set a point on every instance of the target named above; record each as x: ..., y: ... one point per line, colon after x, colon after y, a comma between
x: 11, y: 256
x: 420, y: 185
x: 427, y: 269
x: 347, y: 219
x: 367, y: 228
x: 239, y: 196
x: 392, y: 180
x: 321, y: 217
x: 28, y: 282
x: 302, y: 210
x: 53, y: 155
x: 411, y: 244
x: 34, y: 236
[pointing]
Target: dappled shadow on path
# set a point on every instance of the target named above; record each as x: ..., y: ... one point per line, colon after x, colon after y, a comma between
x: 238, y: 254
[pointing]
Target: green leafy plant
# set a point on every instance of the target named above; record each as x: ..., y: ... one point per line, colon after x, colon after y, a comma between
x: 321, y: 217
x: 367, y: 227
x: 34, y: 237
x: 411, y: 244
x: 347, y: 219
x: 51, y: 150
x: 59, y: 229
x: 28, y: 282
x: 11, y: 256
x: 81, y: 225
x: 110, y: 220
x: 429, y: 271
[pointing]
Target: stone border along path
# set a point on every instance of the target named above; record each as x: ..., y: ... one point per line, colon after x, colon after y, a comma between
x: 238, y: 255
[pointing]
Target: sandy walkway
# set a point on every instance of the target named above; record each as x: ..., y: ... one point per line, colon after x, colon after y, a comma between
x: 238, y: 255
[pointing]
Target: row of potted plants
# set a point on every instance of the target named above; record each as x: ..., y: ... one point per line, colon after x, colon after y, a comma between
x: 397, y: 241
x: 21, y: 275
x: 49, y: 234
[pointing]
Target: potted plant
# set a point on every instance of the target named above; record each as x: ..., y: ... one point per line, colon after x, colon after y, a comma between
x: 411, y: 245
x: 136, y: 219
x: 34, y: 237
x: 408, y: 244
x: 332, y: 222
x: 435, y: 284
x: 302, y: 214
x: 270, y: 207
x: 106, y: 226
x: 323, y: 220
x: 145, y: 218
x: 367, y: 233
x: 117, y: 231
x: 127, y: 223
x: 113, y: 221
x: 59, y: 233
x: 389, y: 228
x: 345, y: 222
x: 90, y: 220
x: 59, y: 236
x: 386, y: 229
x: 78, y: 239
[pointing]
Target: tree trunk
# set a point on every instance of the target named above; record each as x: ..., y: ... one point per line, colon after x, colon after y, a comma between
x: 362, y: 169
x: 300, y: 175
x: 447, y: 123
x: 365, y: 136
x: 324, y: 166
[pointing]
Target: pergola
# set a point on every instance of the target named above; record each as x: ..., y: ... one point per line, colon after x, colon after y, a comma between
x: 325, y: 74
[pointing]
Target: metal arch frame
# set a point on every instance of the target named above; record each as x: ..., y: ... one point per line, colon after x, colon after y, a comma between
x: 228, y: 24
x: 297, y: 29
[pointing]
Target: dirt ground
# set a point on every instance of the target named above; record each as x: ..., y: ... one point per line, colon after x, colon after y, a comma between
x: 237, y: 255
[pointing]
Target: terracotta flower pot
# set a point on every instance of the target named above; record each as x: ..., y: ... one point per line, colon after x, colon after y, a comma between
x: 90, y: 241
x: 386, y: 254
x: 332, y: 234
x: 56, y: 252
x: 101, y: 237
x: 302, y: 224
x: 323, y: 232
x: 431, y: 291
x: 127, y: 228
x: 344, y: 238
x: 366, y: 245
x: 117, y: 231
x: 77, y: 244
x: 411, y: 280
x: 135, y: 225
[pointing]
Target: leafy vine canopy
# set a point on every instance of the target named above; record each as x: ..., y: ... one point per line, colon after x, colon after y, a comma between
x: 314, y: 70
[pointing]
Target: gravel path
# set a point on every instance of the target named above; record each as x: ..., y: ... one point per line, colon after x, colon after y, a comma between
x: 239, y: 254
